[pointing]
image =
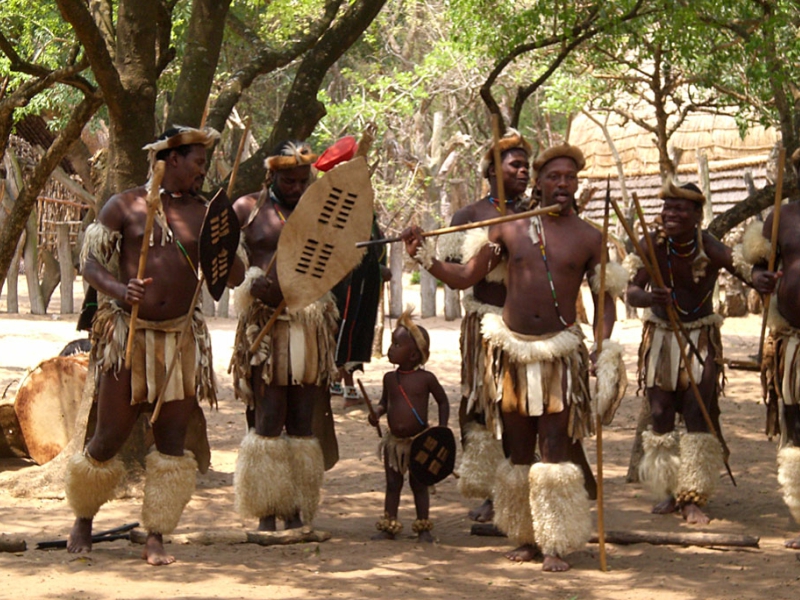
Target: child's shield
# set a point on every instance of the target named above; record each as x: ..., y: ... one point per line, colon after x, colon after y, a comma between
x: 433, y: 455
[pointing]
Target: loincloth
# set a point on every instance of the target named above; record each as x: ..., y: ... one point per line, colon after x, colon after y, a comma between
x: 780, y: 374
x: 537, y: 375
x: 154, y: 346
x: 473, y: 356
x: 660, y: 355
x: 397, y: 451
x: 300, y: 348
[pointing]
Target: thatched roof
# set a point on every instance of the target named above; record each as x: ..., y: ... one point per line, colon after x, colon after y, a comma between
x: 717, y: 135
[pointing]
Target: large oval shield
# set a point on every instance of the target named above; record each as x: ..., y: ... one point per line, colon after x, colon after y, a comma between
x: 317, y: 248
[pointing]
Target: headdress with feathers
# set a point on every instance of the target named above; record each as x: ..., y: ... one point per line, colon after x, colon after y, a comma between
x: 510, y: 141
x: 407, y: 322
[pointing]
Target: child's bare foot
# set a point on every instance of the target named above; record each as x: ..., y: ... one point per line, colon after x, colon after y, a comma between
x: 794, y: 544
x: 80, y: 537
x: 554, y: 564
x: 484, y: 513
x: 665, y: 507
x: 154, y: 552
x: 693, y: 515
x: 525, y: 553
x: 267, y: 523
x: 382, y: 535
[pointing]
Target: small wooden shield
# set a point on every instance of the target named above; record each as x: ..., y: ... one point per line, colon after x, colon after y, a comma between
x: 317, y: 247
x: 433, y: 455
x: 219, y: 240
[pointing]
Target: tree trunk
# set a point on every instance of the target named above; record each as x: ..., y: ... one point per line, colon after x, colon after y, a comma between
x: 12, y: 298
x: 452, y: 304
x: 396, y: 283
x: 67, y: 270
x: 31, y: 257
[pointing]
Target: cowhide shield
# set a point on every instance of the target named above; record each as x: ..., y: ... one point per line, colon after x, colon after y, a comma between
x: 433, y: 455
x: 317, y: 248
x: 219, y: 239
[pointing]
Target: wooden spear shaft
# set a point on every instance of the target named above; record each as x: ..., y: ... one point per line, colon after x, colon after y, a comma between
x: 153, y: 201
x: 498, y: 164
x: 370, y: 408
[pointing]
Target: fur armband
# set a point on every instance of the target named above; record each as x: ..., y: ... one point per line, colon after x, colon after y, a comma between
x: 742, y: 267
x: 104, y: 246
x: 612, y: 380
x: 632, y: 263
x: 426, y: 254
x: 242, y: 299
x: 755, y: 247
x: 474, y: 242
x: 616, y: 279
x: 449, y: 246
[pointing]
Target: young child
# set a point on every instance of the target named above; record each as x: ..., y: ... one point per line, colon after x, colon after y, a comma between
x: 405, y: 401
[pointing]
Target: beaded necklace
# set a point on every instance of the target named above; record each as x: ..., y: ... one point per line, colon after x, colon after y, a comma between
x: 496, y: 203
x: 672, y: 246
x: 672, y: 251
x: 542, y: 247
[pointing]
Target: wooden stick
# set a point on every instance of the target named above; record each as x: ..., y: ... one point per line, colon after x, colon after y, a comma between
x: 773, y: 252
x: 498, y: 163
x: 369, y: 407
x: 677, y: 330
x: 153, y: 202
x: 238, y: 158
x: 699, y: 538
x: 455, y: 228
x: 598, y: 338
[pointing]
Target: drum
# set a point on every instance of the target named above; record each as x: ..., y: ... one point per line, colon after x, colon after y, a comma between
x: 433, y: 455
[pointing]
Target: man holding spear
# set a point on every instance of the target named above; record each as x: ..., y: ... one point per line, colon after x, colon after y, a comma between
x: 682, y: 471
x: 539, y: 363
x: 141, y: 256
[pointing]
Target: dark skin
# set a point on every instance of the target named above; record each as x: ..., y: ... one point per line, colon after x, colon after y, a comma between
x: 418, y: 385
x: 574, y: 249
x: 515, y: 167
x: 159, y: 298
x: 681, y: 218
x: 278, y: 408
x: 788, y: 297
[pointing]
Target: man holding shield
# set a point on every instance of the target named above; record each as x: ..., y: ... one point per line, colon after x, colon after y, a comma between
x: 286, y: 378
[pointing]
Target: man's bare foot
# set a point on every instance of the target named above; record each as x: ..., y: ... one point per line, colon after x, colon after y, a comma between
x: 294, y: 522
x: 554, y: 564
x: 693, y: 515
x: 154, y: 552
x: 382, y: 535
x: 351, y: 402
x: 665, y: 507
x: 525, y: 553
x: 484, y: 513
x: 794, y: 544
x: 425, y: 536
x: 80, y: 537
x: 267, y: 523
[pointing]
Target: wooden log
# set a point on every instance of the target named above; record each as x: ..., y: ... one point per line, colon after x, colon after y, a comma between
x: 12, y: 543
x: 197, y: 538
x: 300, y: 535
x: 661, y: 538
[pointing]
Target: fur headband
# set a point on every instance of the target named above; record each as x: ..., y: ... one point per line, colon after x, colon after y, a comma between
x: 289, y: 155
x: 406, y: 322
x: 560, y: 151
x: 687, y: 191
x: 185, y: 136
x: 511, y: 140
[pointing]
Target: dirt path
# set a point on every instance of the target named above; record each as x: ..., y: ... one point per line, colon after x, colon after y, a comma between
x: 459, y: 565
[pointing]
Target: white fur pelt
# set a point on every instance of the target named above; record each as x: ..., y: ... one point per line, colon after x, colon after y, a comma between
x: 88, y: 484
x: 526, y: 348
x: 632, y: 263
x: 612, y: 381
x: 560, y: 507
x: 262, y: 481
x: 168, y: 486
x: 308, y: 468
x: 755, y: 247
x: 789, y: 478
x: 701, y: 462
x: 658, y: 469
x: 474, y: 241
x: 512, y: 509
x: 480, y: 459
x: 448, y: 246
x: 616, y: 281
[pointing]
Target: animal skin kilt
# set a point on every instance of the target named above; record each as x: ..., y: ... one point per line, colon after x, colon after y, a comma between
x: 545, y: 503
x: 686, y: 466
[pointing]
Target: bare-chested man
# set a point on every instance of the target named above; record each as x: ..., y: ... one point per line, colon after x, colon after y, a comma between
x: 780, y: 367
x: 404, y: 400
x: 111, y: 254
x: 540, y: 363
x: 682, y: 470
x: 482, y: 452
x: 280, y: 465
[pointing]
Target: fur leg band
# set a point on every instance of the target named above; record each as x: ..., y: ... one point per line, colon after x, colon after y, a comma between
x: 789, y: 478
x: 89, y: 484
x: 701, y: 461
x: 560, y: 507
x: 479, y: 462
x: 420, y: 525
x: 659, y: 467
x: 389, y: 525
x: 168, y: 486
x: 307, y: 467
x: 262, y: 481
x: 512, y: 511
x: 612, y: 380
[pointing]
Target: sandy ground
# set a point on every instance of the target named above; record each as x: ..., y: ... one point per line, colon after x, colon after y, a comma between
x: 349, y: 565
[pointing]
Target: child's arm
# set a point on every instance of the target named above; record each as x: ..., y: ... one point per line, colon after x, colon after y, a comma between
x: 381, y: 408
x: 440, y: 396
